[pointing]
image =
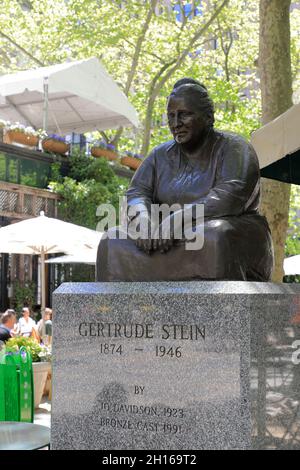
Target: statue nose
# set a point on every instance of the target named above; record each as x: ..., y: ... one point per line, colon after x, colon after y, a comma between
x: 177, y: 121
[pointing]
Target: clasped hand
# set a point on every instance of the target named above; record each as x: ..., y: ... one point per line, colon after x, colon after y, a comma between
x: 153, y: 237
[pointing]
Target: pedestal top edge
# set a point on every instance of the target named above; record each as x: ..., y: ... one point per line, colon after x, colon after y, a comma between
x: 184, y: 287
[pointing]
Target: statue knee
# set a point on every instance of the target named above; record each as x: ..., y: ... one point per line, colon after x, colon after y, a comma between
x: 218, y: 233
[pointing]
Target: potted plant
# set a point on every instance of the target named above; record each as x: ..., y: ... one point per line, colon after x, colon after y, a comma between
x: 104, y: 150
x: 21, y: 134
x: 132, y: 160
x: 55, y: 144
x: 41, y: 357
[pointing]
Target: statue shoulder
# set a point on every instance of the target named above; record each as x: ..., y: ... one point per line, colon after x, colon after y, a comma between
x: 161, y: 150
x: 232, y: 138
x: 236, y: 146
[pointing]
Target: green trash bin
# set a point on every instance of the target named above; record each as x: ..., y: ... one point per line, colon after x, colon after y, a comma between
x: 16, y: 386
x: 2, y: 396
x: 26, y: 387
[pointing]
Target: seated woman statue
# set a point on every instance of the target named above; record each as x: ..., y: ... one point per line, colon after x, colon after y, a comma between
x: 201, y: 166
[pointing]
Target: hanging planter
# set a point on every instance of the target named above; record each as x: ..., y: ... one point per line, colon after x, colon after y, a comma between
x: 21, y: 138
x: 132, y: 161
x: 103, y: 150
x: 55, y: 145
x: 20, y: 134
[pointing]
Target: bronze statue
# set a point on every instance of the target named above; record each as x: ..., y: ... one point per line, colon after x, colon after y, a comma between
x: 200, y: 166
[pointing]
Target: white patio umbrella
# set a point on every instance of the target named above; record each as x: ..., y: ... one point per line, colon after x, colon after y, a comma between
x: 43, y: 235
x: 84, y: 257
x: 291, y: 265
x: 70, y: 97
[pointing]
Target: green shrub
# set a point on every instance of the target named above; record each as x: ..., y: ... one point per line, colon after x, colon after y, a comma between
x: 14, y: 344
x: 24, y: 295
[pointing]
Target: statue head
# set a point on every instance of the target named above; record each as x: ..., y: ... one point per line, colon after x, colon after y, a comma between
x: 190, y: 111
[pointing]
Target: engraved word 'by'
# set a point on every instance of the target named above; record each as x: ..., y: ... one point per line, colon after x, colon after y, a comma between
x: 138, y: 390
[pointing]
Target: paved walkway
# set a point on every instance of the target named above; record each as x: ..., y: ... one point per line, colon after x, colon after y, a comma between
x: 42, y: 415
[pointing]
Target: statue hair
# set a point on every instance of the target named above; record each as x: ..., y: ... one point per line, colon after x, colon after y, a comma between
x: 191, y: 88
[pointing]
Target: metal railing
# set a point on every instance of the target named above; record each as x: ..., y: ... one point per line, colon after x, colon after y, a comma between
x: 23, y: 202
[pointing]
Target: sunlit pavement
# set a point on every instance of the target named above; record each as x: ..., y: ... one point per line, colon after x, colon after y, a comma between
x: 42, y: 415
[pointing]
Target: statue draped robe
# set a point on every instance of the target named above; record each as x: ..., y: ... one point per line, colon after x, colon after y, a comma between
x: 225, y: 179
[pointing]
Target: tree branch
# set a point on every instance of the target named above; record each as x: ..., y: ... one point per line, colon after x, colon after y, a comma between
x: 104, y: 135
x: 21, y: 48
x: 225, y: 48
x: 186, y: 51
x: 138, y: 46
x: 151, y: 54
x: 135, y: 60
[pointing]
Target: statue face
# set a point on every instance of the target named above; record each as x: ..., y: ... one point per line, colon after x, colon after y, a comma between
x: 186, y: 123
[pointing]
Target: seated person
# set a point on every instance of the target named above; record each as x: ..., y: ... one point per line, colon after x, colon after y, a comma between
x: 7, y: 322
x: 27, y: 326
x: 200, y: 166
x: 44, y: 326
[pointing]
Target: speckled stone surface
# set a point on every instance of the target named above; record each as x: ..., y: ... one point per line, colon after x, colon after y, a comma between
x: 205, y: 365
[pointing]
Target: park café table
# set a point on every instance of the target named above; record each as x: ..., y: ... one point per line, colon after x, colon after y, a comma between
x: 23, y: 436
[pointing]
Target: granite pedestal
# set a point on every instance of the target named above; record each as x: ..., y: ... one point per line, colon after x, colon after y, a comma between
x: 188, y: 365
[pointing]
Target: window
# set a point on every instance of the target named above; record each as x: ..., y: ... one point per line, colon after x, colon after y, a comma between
x: 2, y: 167
x: 12, y: 173
x: 25, y: 171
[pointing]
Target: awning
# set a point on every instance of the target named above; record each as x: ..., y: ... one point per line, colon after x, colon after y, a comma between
x: 277, y: 145
x: 81, y: 97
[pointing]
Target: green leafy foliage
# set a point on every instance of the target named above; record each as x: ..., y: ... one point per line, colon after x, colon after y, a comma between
x: 91, y: 182
x: 14, y: 344
x: 293, y: 239
x: 292, y: 243
x: 139, y: 42
x: 24, y: 295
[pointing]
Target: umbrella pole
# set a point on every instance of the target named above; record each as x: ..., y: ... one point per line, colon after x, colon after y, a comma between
x: 43, y: 286
x: 45, y: 107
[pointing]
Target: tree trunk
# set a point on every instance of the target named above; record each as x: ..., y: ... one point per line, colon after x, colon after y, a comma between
x: 276, y: 90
